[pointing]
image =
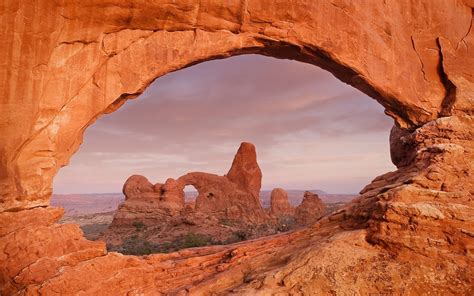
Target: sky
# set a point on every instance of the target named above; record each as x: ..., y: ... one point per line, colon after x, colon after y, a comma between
x: 311, y: 130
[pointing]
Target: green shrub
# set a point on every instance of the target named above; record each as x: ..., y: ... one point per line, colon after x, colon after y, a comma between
x: 286, y: 224
x: 138, y: 245
x: 138, y: 225
x: 192, y: 240
x: 135, y: 246
x: 240, y: 235
x: 227, y: 222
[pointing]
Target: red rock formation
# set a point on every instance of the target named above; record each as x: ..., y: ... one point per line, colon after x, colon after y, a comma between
x: 169, y: 195
x: 310, y: 209
x: 245, y: 171
x: 219, y: 197
x: 233, y: 196
x: 149, y: 204
x: 279, y: 204
x: 411, y: 230
x: 220, y: 203
x: 426, y: 206
x: 138, y: 187
x: 172, y: 193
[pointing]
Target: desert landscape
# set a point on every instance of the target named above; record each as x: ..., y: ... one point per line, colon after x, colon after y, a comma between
x: 92, y: 103
x: 94, y: 212
x: 160, y: 218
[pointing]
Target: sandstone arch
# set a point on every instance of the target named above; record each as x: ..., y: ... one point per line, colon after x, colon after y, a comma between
x: 111, y: 52
x: 234, y: 195
x: 65, y: 65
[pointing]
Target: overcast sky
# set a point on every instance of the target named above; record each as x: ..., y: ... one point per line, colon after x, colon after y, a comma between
x: 311, y: 130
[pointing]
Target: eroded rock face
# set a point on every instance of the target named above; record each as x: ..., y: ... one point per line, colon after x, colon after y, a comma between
x: 70, y: 63
x: 149, y: 204
x: 234, y: 196
x: 279, y: 204
x: 170, y: 194
x: 224, y: 199
x: 428, y: 205
x: 245, y: 171
x: 310, y: 209
x: 401, y: 152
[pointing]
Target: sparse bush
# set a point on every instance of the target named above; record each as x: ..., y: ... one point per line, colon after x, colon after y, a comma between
x: 192, y: 240
x: 285, y: 224
x: 136, y: 246
x: 237, y: 236
x: 240, y: 235
x: 94, y: 231
x: 150, y: 248
x: 166, y: 247
x: 138, y: 225
x: 227, y: 222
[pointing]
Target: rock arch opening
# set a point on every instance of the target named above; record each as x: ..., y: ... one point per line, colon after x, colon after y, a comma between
x: 190, y: 193
x: 407, y: 227
x: 301, y: 118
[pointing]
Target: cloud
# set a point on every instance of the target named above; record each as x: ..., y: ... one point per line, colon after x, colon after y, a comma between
x: 299, y: 116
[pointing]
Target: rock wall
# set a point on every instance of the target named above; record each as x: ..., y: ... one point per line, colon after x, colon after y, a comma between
x: 410, y: 231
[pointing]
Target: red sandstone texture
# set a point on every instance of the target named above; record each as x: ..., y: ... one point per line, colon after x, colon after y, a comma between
x: 410, y: 232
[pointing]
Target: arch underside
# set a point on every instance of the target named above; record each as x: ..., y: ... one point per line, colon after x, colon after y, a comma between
x: 70, y: 64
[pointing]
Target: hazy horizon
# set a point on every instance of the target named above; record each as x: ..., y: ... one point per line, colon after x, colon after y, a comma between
x: 310, y: 129
x: 194, y: 191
